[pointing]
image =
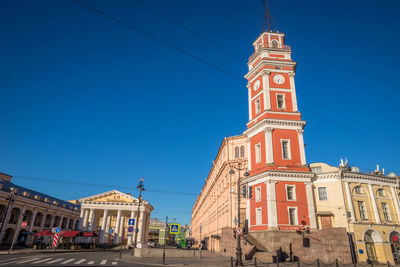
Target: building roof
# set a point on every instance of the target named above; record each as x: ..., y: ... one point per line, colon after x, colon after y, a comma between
x: 6, y: 186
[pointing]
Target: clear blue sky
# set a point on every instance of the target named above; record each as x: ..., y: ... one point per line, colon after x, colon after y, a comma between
x: 84, y: 99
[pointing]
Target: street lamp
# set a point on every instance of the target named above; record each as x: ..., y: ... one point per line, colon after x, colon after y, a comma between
x: 141, y: 189
x: 11, y: 198
x: 239, y: 261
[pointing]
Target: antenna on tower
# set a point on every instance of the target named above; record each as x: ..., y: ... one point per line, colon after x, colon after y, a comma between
x: 268, y: 22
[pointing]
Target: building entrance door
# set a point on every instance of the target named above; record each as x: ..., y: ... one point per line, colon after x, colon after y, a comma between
x: 370, y: 247
x: 395, y: 246
x: 326, y: 222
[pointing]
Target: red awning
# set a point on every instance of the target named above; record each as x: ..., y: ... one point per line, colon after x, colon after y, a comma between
x: 89, y: 234
x: 70, y: 233
x: 45, y: 233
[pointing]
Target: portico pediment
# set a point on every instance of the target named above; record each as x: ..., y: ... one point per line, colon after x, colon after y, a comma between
x: 111, y: 196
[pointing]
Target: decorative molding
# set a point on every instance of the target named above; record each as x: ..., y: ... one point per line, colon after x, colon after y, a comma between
x: 273, y: 123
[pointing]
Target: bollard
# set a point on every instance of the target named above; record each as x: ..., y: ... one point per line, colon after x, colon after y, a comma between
x: 277, y: 262
x: 355, y: 264
x: 318, y: 265
x: 337, y: 263
x: 388, y: 264
x: 255, y: 262
x: 298, y: 263
x: 231, y: 261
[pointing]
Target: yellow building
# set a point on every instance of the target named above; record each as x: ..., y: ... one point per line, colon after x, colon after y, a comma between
x: 216, y: 205
x: 40, y: 211
x: 366, y: 204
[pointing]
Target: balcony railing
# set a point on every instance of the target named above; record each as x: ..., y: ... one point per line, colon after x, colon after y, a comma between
x: 279, y: 47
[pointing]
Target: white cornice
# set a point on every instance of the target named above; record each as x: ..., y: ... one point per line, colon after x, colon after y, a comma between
x: 274, y: 123
x: 280, y: 175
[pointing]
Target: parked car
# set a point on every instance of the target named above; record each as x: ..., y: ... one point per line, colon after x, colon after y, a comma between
x: 151, y: 244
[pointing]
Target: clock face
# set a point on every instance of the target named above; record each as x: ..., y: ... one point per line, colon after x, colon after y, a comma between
x: 279, y: 79
x: 256, y: 85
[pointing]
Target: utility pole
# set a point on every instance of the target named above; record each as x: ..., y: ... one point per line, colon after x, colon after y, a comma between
x: 165, y: 239
x: 141, y: 188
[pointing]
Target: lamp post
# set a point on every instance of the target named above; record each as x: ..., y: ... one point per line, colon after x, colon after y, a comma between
x: 141, y: 189
x: 239, y: 164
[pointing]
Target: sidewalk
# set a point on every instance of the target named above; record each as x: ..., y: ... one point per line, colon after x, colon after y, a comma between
x: 31, y: 250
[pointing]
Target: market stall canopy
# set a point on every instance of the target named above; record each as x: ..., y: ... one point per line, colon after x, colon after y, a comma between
x: 89, y: 234
x: 45, y: 233
x: 70, y: 233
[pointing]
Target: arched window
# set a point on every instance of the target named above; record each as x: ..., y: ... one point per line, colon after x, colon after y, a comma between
x: 236, y: 152
x: 275, y: 43
x: 242, y: 151
x: 259, y: 47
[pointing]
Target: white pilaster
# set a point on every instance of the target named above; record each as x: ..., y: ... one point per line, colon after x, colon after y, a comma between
x: 53, y: 217
x: 269, y: 146
x: 349, y: 202
x: 248, y: 155
x: 396, y: 203
x: 373, y: 201
x: 311, y: 207
x: 116, y: 230
x: 271, y: 205
x: 294, y: 98
x: 249, y: 97
x: 33, y: 220
x: 302, y: 148
x: 266, y: 91
x: 81, y: 219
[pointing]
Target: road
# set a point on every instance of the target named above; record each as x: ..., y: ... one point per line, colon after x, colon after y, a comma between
x: 68, y: 259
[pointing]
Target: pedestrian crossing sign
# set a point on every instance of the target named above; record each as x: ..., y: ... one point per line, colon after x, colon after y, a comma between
x: 174, y: 228
x: 131, y: 222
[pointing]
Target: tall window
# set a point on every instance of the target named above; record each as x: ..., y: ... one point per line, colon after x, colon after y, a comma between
x: 258, y: 194
x: 290, y: 192
x: 258, y: 106
x: 280, y: 99
x: 322, y: 193
x: 358, y: 189
x: 363, y: 211
x: 242, y: 151
x: 258, y: 153
x: 258, y: 216
x: 285, y: 149
x: 236, y: 152
x: 386, y: 212
x: 292, y: 216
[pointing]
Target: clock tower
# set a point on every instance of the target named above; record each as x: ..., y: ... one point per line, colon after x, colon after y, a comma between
x: 279, y: 176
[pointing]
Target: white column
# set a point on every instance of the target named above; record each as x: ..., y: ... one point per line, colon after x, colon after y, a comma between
x: 311, y: 207
x: 53, y: 217
x: 89, y: 226
x: 73, y: 224
x: 43, y: 221
x: 116, y: 230
x: 61, y: 221
x: 106, y: 235
x: 374, y: 207
x: 21, y: 217
x: 294, y: 98
x: 130, y: 239
x: 271, y: 205
x: 266, y: 91
x: 268, y: 145
x: 396, y: 203
x: 81, y: 219
x: 141, y: 230
x: 349, y: 202
x: 33, y: 219
x: 121, y: 228
x: 6, y: 219
x: 302, y: 148
x: 103, y: 226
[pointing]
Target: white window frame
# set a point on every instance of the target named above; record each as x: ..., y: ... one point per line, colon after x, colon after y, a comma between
x: 296, y: 217
x: 360, y: 191
x: 319, y: 195
x: 364, y: 209
x: 284, y: 101
x: 257, y: 150
x: 259, y: 221
x: 258, y: 196
x: 257, y: 104
x: 386, y: 215
x: 288, y: 149
x: 294, y: 192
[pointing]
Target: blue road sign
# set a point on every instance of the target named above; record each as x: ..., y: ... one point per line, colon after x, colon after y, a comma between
x: 174, y: 228
x: 58, y: 229
x: 111, y: 231
x: 130, y: 229
x: 131, y: 222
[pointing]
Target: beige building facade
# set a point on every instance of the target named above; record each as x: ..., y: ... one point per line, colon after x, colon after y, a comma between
x: 216, y: 206
x: 366, y: 204
x: 40, y: 211
x: 108, y: 214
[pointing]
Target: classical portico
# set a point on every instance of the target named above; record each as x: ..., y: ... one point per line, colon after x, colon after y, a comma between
x: 108, y: 214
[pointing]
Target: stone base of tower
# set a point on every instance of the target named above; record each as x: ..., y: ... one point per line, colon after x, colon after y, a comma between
x: 326, y: 245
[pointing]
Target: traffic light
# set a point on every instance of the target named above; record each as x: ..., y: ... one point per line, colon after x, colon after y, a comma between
x: 250, y: 192
x: 244, y: 191
x: 234, y: 234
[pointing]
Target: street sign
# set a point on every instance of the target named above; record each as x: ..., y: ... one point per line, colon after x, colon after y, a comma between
x: 174, y: 228
x: 129, y: 235
x: 58, y: 229
x: 130, y: 229
x: 131, y: 222
x: 55, y: 239
x: 24, y: 224
x: 111, y: 231
x: 239, y: 231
